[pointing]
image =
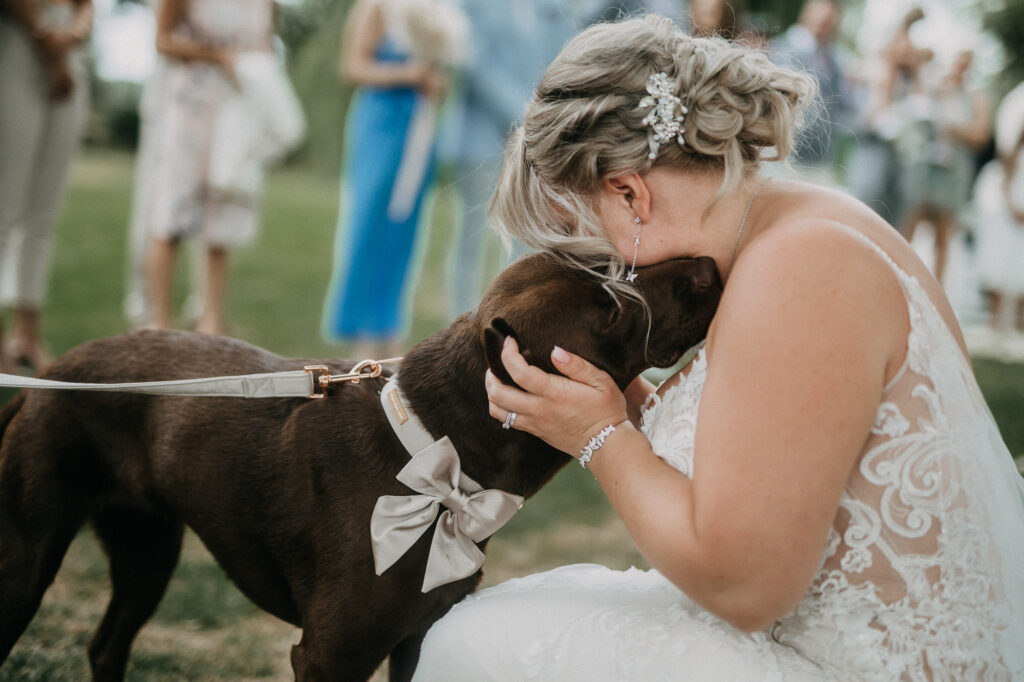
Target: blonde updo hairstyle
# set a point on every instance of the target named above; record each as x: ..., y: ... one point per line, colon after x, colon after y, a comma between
x: 585, y: 123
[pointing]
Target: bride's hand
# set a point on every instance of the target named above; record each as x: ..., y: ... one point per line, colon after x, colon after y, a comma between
x: 564, y: 411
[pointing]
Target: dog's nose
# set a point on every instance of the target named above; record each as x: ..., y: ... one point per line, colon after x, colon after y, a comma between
x: 705, y: 274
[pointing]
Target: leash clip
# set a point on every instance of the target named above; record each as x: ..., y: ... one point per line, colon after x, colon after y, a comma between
x: 322, y: 377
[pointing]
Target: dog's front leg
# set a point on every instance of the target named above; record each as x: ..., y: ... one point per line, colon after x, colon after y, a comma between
x: 404, y: 657
x: 337, y: 658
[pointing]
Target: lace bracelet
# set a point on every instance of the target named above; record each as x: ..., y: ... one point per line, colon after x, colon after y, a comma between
x: 594, y: 445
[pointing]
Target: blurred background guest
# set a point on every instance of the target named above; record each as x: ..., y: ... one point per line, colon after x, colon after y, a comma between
x: 601, y: 10
x: 725, y: 18
x: 198, y: 42
x: 43, y: 107
x: 999, y: 198
x: 510, y: 45
x: 808, y: 45
x: 887, y: 78
x: 945, y: 127
x: 396, y: 53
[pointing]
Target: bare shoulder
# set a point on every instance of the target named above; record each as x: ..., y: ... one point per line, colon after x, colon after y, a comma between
x: 809, y: 232
x: 820, y: 227
x: 806, y: 277
x: 795, y: 207
x: 822, y: 239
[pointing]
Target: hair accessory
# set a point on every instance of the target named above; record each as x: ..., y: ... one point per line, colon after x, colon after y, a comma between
x: 663, y: 117
x: 636, y: 249
x: 594, y: 445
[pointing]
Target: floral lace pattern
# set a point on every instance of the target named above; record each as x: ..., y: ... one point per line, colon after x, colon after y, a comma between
x: 911, y: 585
x: 670, y: 420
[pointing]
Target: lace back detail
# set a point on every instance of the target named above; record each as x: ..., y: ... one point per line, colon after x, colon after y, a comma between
x: 670, y: 421
x: 911, y: 568
x: 922, y: 575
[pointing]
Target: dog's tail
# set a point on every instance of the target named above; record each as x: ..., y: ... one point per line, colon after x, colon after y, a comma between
x: 8, y: 412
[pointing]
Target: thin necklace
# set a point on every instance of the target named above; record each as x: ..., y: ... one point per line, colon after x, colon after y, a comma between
x: 743, y: 222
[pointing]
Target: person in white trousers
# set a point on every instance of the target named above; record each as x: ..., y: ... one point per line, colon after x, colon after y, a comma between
x: 45, y: 99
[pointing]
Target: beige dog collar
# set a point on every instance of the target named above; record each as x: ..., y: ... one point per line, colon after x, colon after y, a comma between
x: 404, y: 422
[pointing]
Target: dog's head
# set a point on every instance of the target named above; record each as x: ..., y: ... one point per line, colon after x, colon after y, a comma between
x: 542, y: 302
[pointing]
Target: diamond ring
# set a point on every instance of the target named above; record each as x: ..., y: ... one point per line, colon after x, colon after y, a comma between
x: 510, y: 420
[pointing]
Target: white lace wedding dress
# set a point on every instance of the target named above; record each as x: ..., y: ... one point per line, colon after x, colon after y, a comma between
x: 921, y: 579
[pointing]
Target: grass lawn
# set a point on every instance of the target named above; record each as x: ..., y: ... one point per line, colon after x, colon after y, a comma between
x: 205, y: 629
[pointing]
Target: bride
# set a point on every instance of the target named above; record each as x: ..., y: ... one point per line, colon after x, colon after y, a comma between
x: 822, y: 493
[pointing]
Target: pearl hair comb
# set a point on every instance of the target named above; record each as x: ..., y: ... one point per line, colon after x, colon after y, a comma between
x: 667, y: 113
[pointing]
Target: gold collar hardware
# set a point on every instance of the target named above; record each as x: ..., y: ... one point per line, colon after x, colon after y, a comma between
x: 322, y: 377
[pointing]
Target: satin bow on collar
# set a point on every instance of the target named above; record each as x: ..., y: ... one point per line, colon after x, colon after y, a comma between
x: 471, y: 515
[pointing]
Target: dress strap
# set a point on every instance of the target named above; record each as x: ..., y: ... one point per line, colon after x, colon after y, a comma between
x: 914, y: 296
x: 901, y: 274
x: 924, y: 317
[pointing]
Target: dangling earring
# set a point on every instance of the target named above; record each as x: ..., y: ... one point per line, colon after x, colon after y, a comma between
x: 631, y: 275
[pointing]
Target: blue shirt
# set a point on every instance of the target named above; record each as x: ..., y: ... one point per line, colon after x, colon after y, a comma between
x: 511, y: 44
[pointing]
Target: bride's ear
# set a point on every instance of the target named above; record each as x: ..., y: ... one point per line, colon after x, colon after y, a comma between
x: 628, y: 191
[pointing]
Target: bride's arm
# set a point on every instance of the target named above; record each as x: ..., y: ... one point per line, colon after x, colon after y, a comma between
x: 636, y: 395
x: 797, y: 365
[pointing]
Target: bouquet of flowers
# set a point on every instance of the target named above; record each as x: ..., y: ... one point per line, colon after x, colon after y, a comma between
x: 434, y: 31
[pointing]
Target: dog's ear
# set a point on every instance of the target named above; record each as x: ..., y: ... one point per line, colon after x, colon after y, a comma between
x: 494, y: 341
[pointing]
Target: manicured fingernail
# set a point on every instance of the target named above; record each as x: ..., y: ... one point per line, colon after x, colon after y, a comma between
x: 558, y: 354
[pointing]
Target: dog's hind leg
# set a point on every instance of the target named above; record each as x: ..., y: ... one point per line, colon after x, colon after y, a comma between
x: 40, y: 513
x: 143, y: 549
x: 28, y: 564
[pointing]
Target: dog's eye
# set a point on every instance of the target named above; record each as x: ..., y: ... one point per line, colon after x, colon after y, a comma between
x: 614, y: 317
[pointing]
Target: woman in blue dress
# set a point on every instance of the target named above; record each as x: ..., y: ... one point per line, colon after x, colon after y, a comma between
x: 395, y: 54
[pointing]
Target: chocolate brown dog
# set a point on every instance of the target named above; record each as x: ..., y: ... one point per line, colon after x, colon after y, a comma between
x: 281, y: 490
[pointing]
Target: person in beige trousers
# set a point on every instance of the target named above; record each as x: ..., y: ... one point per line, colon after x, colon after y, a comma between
x: 45, y: 99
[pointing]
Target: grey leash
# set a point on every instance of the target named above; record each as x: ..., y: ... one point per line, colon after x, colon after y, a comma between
x: 310, y: 382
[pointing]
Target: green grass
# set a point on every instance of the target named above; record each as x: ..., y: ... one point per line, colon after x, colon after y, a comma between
x: 1003, y: 386
x: 205, y: 629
